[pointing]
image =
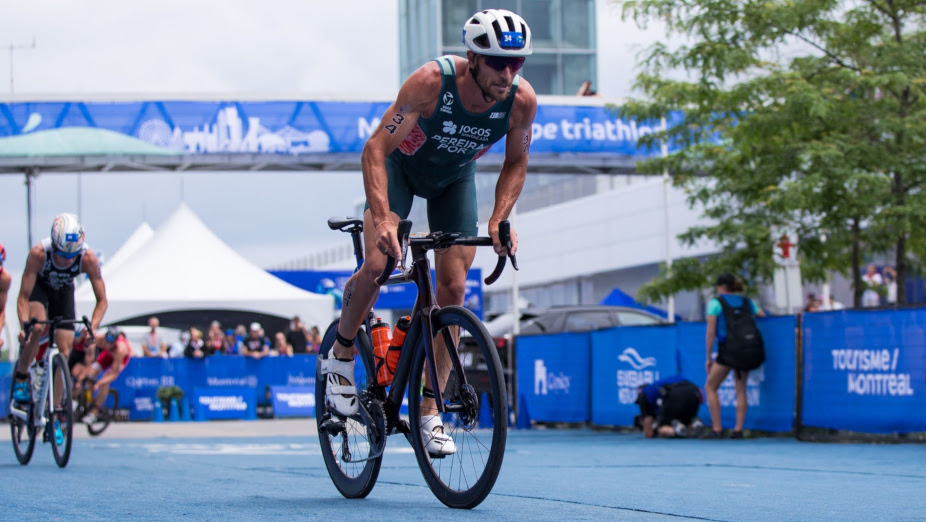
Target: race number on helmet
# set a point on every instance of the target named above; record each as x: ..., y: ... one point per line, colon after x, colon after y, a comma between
x: 497, y: 32
x: 67, y: 235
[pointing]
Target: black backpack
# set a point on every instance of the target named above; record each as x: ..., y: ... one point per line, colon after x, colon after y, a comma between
x: 745, y: 349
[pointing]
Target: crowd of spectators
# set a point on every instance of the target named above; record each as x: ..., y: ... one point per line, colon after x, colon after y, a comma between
x: 249, y: 341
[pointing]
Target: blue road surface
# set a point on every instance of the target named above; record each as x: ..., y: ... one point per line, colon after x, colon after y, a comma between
x: 273, y: 470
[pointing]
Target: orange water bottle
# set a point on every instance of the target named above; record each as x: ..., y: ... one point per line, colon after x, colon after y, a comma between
x: 395, y: 345
x: 379, y: 332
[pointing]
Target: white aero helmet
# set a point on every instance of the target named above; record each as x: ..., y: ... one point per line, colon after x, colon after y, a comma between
x: 67, y: 235
x: 497, y: 32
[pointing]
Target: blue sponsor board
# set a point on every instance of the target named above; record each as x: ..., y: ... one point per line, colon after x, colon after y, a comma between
x: 141, y: 402
x: 864, y: 370
x: 224, y: 402
x: 293, y: 401
x: 553, y: 376
x: 392, y: 297
x: 624, y: 359
x: 769, y: 389
x: 295, y: 127
x: 6, y: 376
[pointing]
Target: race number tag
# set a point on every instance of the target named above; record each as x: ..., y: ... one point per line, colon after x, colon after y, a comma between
x: 512, y: 40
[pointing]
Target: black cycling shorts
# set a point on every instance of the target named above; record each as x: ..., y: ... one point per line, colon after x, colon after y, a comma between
x: 680, y: 401
x: 57, y: 303
x: 452, y: 205
x: 76, y: 357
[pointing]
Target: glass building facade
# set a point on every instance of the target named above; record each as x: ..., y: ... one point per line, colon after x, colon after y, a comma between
x: 563, y: 32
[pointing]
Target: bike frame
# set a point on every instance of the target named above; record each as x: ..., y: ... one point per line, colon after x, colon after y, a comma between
x: 47, y: 389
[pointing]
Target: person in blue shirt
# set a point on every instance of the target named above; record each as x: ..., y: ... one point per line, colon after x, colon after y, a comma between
x: 730, y: 289
x: 669, y: 408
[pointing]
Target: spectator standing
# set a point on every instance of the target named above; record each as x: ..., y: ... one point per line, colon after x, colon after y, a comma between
x: 194, y: 349
x: 178, y: 348
x: 729, y: 291
x: 890, y: 283
x: 315, y: 339
x: 256, y: 345
x: 297, y: 336
x: 215, y: 339
x: 280, y: 346
x: 873, y: 283
x: 153, y: 345
x: 232, y: 342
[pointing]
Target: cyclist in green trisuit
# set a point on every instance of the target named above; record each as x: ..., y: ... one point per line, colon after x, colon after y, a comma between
x: 447, y: 114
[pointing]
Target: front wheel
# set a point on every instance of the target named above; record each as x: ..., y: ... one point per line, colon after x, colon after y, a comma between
x: 59, y: 411
x: 351, y: 446
x: 23, y: 431
x: 475, y: 404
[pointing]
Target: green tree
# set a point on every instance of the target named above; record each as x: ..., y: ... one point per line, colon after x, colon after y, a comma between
x: 795, y: 115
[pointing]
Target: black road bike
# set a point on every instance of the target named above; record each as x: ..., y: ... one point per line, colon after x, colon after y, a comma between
x: 353, y: 446
x: 107, y: 411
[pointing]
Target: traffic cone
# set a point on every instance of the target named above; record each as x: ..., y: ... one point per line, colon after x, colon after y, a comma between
x: 485, y: 415
x: 174, y: 413
x: 158, y: 411
x: 524, y: 417
x: 185, y: 410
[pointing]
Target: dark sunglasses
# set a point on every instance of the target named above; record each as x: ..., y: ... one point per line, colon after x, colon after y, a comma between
x: 499, y: 63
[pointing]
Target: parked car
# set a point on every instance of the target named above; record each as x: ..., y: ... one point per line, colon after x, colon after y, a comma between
x: 538, y: 321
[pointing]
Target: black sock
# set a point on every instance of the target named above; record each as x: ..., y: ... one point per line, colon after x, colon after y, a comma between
x: 21, y: 376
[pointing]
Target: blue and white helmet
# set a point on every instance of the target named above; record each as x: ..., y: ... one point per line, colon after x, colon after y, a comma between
x: 67, y: 235
x: 497, y: 32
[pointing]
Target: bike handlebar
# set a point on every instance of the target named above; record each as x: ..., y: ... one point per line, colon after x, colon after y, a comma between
x: 443, y: 240
x: 30, y: 324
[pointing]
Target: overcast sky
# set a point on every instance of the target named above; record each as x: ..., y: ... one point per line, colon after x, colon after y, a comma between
x: 309, y: 49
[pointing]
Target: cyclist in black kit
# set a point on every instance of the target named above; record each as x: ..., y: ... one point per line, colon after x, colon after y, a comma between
x: 47, y: 291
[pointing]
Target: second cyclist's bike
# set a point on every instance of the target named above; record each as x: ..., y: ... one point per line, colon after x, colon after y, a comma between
x: 432, y: 372
x: 108, y: 408
x: 49, y: 410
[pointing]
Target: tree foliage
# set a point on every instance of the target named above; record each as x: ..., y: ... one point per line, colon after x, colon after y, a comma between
x: 796, y: 115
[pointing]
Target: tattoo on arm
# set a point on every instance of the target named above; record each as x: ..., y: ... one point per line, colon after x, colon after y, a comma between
x: 396, y: 121
x: 527, y: 143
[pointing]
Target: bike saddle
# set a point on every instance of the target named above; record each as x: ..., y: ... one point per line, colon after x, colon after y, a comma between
x: 345, y: 224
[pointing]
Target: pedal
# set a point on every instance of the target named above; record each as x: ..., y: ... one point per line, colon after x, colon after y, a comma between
x: 437, y: 455
x: 332, y: 427
x: 403, y: 427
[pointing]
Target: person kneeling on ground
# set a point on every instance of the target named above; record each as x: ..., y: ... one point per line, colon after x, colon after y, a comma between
x: 669, y: 408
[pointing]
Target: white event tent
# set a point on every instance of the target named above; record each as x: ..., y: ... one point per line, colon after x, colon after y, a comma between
x: 139, y: 237
x: 184, y: 267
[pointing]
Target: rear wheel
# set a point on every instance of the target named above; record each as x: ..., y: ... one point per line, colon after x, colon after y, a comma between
x: 107, y: 412
x: 477, y: 425
x: 351, y: 446
x: 60, y: 413
x: 22, y: 431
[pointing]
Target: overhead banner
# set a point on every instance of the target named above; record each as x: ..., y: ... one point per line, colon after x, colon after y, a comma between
x: 865, y: 370
x: 294, y: 127
x: 623, y: 359
x: 553, y: 376
x: 392, y: 297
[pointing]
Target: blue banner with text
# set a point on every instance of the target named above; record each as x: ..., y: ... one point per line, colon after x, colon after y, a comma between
x: 553, y: 376
x: 865, y: 370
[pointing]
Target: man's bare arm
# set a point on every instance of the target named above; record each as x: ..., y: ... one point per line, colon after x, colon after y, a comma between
x: 90, y: 265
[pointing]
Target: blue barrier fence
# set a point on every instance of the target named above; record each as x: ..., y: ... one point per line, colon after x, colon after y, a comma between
x: 862, y: 371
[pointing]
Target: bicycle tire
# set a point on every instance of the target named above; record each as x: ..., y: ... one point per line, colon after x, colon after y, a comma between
x: 106, y: 415
x: 463, y: 479
x: 63, y: 412
x: 19, y: 427
x: 352, y: 479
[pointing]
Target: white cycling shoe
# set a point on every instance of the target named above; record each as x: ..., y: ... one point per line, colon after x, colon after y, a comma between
x: 342, y: 398
x: 436, y: 442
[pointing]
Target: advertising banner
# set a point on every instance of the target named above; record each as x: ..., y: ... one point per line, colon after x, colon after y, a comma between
x: 293, y: 401
x: 224, y: 402
x: 6, y: 375
x: 290, y: 127
x: 865, y: 370
x: 553, y: 376
x: 393, y: 297
x: 624, y: 359
x: 769, y: 389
